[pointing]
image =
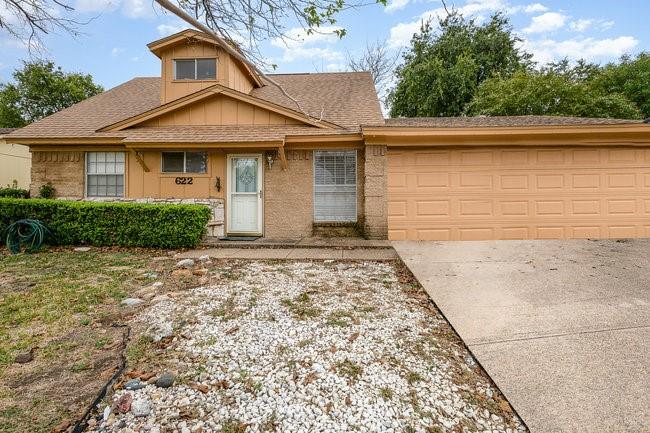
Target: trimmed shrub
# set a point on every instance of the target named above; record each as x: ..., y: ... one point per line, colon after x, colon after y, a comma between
x: 47, y: 190
x: 111, y: 224
x: 12, y: 192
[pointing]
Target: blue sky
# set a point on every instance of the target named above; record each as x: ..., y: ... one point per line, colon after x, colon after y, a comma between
x: 113, y: 46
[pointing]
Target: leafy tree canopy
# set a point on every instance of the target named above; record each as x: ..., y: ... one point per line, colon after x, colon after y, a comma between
x: 548, y: 93
x: 41, y: 89
x: 442, y: 70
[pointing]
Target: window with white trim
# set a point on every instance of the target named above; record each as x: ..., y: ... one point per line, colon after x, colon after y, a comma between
x: 184, y: 162
x: 335, y: 186
x: 195, y: 69
x: 105, y: 174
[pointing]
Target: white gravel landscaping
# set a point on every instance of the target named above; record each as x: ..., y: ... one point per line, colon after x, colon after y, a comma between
x: 309, y: 347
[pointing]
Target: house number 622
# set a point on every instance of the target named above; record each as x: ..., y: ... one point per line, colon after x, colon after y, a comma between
x: 184, y: 180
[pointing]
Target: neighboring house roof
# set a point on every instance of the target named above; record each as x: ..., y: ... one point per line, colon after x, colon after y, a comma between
x: 5, y: 131
x: 347, y: 99
x: 497, y: 121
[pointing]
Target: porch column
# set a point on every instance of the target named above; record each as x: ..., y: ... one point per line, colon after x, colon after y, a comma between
x: 376, y: 192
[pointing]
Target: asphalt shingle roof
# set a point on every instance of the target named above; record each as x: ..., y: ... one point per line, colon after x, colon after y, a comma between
x: 346, y: 99
x: 500, y: 121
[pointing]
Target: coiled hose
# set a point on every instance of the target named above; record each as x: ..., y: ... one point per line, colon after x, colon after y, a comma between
x: 26, y: 233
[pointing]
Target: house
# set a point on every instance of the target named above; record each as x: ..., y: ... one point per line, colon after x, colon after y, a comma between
x: 210, y: 130
x: 15, y: 162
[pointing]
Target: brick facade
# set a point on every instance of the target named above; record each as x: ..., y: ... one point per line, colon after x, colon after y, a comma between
x: 289, y: 200
x: 376, y: 197
x: 65, y: 170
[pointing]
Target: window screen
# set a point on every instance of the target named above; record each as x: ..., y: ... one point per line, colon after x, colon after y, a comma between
x: 195, y: 69
x: 184, y: 162
x: 335, y: 186
x: 105, y: 174
x: 185, y: 70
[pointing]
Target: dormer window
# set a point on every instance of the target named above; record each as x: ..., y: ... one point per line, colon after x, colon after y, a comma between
x: 195, y: 69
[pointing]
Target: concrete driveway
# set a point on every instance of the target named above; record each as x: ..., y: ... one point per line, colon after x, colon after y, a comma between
x: 562, y: 327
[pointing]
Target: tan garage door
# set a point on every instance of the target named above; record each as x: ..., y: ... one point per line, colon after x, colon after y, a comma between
x: 519, y: 193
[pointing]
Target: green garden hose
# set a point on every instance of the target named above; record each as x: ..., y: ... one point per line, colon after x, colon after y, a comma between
x: 26, y: 233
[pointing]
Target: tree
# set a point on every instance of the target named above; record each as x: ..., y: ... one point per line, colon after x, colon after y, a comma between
x: 29, y: 20
x: 551, y: 93
x: 630, y: 77
x: 246, y: 24
x: 379, y: 61
x: 442, y: 70
x: 41, y: 89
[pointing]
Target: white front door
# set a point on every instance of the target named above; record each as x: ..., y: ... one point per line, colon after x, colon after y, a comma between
x: 245, y: 194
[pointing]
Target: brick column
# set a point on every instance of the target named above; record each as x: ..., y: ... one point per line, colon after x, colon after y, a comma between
x: 376, y: 192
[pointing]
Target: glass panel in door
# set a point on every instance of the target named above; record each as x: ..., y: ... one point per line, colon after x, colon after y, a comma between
x: 245, y: 195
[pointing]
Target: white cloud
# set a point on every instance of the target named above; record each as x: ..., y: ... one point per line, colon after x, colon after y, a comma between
x: 335, y: 67
x: 546, y: 22
x: 534, y: 8
x: 170, y: 29
x: 137, y: 8
x: 297, y: 44
x: 605, y: 25
x: 396, y: 5
x: 547, y: 50
x: 116, y: 51
x: 580, y: 25
x: 401, y: 34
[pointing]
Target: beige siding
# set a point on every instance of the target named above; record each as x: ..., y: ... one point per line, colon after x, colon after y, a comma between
x: 228, y: 73
x: 519, y: 193
x: 155, y: 184
x: 221, y: 110
x: 15, y: 165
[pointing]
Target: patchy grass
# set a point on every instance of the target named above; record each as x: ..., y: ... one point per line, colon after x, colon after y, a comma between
x: 302, y: 307
x: 61, y: 304
x: 349, y: 369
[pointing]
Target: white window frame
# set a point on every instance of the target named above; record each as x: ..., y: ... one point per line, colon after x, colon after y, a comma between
x: 207, y: 158
x: 356, y: 187
x: 86, y: 174
x: 196, y: 69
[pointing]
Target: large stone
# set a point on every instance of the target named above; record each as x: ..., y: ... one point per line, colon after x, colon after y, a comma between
x: 165, y: 381
x: 131, y: 302
x: 141, y: 407
x: 185, y: 263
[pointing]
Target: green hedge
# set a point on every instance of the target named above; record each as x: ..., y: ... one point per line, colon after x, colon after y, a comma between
x: 111, y: 224
x: 14, y: 192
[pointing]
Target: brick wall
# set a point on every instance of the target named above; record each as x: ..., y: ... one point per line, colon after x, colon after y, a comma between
x: 288, y: 203
x: 376, y: 197
x: 65, y: 170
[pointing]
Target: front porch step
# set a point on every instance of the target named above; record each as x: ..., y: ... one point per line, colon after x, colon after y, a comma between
x: 336, y: 230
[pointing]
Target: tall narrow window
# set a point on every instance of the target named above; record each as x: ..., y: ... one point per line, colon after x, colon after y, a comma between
x: 335, y: 186
x: 195, y: 69
x: 105, y: 174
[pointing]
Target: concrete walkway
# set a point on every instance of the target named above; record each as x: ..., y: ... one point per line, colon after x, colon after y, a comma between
x: 562, y: 327
x: 297, y: 253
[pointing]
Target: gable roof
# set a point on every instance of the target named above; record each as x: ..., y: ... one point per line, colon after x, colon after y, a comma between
x: 347, y: 100
x: 209, y: 92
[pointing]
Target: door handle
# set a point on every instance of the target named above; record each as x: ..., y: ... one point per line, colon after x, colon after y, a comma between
x: 260, y: 193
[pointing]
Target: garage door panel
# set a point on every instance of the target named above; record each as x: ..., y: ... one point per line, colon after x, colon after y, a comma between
x: 514, y: 193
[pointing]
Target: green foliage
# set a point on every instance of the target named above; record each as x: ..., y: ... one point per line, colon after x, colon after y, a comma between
x: 13, y: 192
x: 47, y: 190
x: 41, y: 89
x: 441, y: 71
x: 111, y: 224
x: 630, y: 77
x: 549, y: 92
